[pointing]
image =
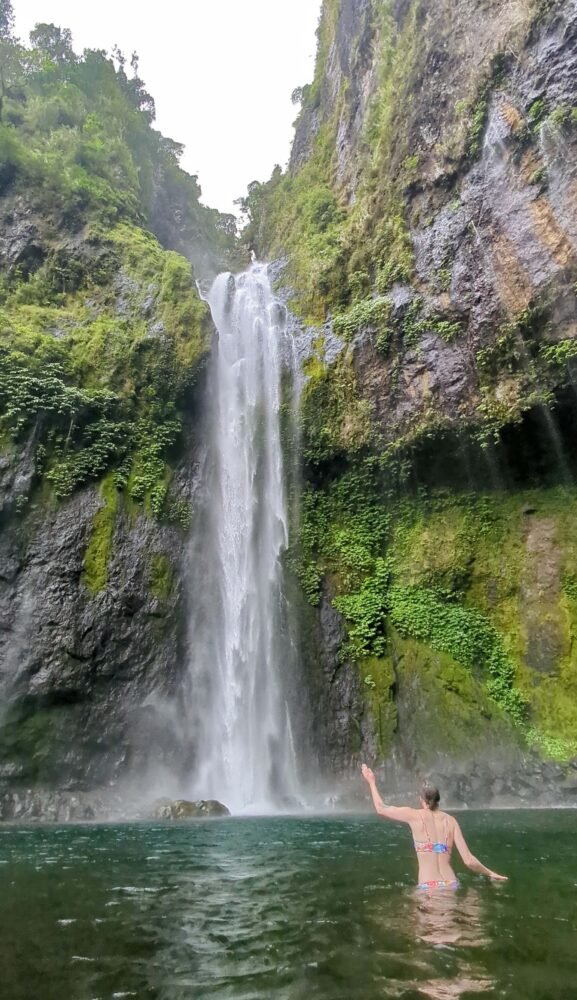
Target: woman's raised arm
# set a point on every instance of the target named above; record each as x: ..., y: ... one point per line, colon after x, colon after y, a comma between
x: 402, y: 814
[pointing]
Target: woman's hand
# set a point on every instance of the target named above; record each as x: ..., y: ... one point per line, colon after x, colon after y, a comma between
x: 498, y: 878
x: 367, y: 775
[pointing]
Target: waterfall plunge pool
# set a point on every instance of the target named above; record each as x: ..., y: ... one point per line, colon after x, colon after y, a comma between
x: 287, y: 908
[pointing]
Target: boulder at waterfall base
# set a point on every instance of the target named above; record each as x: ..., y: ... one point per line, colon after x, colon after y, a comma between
x: 181, y: 809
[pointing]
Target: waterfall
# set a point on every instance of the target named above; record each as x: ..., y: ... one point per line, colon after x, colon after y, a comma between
x: 242, y: 656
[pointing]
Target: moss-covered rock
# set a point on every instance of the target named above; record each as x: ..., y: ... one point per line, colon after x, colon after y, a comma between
x: 101, y: 541
x: 103, y: 341
x: 181, y: 809
x: 439, y: 528
x: 161, y: 576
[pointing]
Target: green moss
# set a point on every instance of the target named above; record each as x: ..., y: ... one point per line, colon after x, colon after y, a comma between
x: 364, y: 612
x: 37, y: 740
x: 392, y: 247
x: 468, y: 637
x: 101, y: 540
x: 335, y: 419
x: 539, y: 178
x: 476, y: 550
x: 161, y: 576
x: 444, y: 278
x: 537, y: 112
x: 443, y: 704
x: 433, y: 548
x: 460, y: 576
x: 304, y: 219
x: 379, y: 680
x: 182, y: 313
x: 343, y: 529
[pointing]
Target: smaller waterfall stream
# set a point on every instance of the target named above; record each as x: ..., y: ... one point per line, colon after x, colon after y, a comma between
x: 240, y: 635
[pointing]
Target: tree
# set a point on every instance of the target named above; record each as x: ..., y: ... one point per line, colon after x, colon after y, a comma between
x: 9, y: 63
x: 137, y: 93
x: 119, y: 57
x: 253, y: 209
x: 300, y: 95
x: 6, y: 20
x: 53, y: 42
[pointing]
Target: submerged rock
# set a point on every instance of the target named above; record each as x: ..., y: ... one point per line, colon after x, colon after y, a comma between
x: 181, y: 809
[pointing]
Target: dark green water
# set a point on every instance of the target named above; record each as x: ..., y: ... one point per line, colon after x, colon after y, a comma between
x: 319, y: 909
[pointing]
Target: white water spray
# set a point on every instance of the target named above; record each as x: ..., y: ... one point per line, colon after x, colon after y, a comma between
x: 242, y: 651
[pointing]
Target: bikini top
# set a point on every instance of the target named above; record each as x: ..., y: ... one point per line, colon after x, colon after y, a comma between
x: 424, y: 847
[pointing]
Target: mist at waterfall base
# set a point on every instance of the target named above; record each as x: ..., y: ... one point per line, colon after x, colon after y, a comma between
x: 243, y: 669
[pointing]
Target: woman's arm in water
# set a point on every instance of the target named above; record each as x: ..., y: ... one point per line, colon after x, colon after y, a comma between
x: 402, y: 814
x: 469, y: 859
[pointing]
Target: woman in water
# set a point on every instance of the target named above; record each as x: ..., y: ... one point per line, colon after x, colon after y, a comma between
x: 435, y: 833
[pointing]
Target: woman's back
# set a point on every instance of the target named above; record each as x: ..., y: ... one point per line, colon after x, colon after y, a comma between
x: 433, y: 837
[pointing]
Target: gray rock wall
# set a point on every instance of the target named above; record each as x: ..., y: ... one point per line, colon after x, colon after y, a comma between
x: 88, y: 682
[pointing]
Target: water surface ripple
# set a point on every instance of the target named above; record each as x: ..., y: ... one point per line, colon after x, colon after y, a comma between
x: 253, y: 909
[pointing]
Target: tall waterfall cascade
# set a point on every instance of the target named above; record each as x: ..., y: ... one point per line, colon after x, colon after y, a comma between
x: 242, y: 648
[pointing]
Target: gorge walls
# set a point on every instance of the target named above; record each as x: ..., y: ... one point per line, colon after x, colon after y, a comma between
x: 424, y: 238
x: 426, y: 226
x: 103, y: 345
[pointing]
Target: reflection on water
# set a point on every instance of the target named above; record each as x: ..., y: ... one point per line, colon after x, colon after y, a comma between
x: 445, y: 931
x: 452, y: 989
x: 284, y: 909
x: 447, y: 919
x: 444, y: 918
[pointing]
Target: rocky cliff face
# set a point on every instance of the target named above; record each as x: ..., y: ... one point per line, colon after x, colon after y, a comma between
x: 91, y: 601
x: 85, y: 675
x: 103, y: 345
x: 427, y: 221
x: 426, y: 230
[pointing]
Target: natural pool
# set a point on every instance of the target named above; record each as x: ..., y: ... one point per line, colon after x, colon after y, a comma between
x: 315, y: 908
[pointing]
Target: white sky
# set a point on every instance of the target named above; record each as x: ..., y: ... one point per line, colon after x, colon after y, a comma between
x: 221, y: 73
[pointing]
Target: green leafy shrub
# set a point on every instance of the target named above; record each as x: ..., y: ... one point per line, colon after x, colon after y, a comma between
x: 364, y: 612
x: 369, y: 314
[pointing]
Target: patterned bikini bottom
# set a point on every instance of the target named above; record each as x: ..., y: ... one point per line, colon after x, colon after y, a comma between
x: 440, y: 884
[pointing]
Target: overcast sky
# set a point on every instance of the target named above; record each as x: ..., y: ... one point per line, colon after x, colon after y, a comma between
x: 221, y: 73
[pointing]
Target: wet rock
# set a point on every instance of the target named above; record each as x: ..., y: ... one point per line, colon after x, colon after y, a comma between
x: 182, y: 809
x: 77, y: 669
x: 41, y: 806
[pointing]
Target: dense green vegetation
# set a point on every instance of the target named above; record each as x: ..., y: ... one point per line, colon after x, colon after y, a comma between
x: 438, y: 589
x: 96, y: 377
x: 339, y: 254
x: 102, y: 332
x: 103, y: 338
x: 453, y: 574
x: 76, y: 137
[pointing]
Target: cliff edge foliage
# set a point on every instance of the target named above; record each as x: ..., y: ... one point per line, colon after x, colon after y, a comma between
x: 427, y: 220
x: 102, y: 331
x: 103, y: 340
